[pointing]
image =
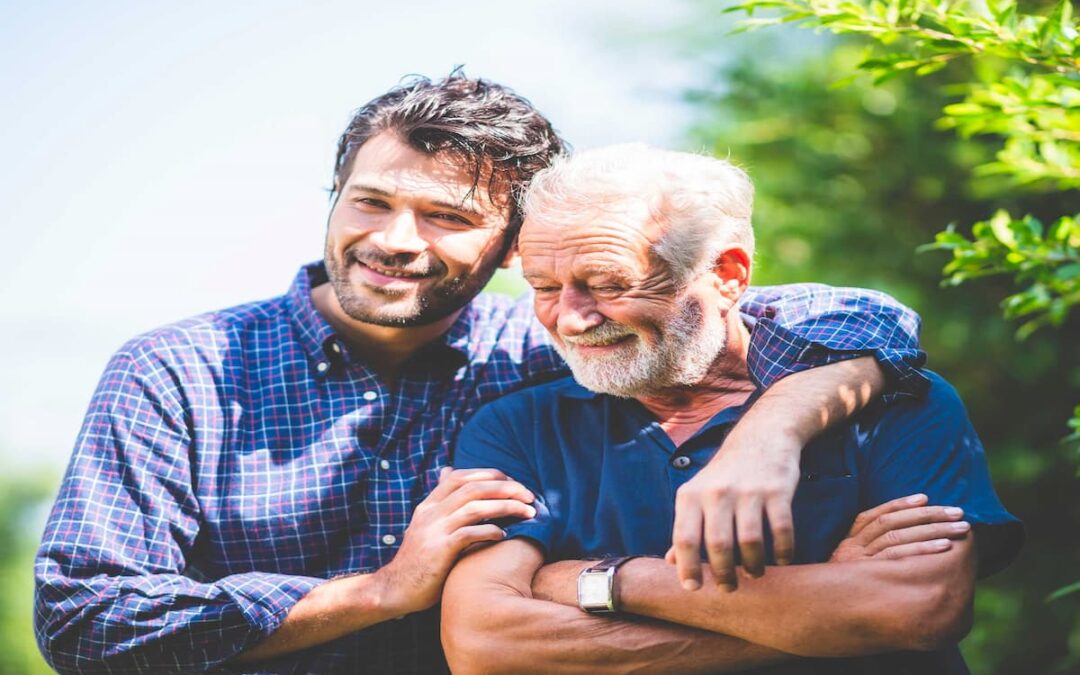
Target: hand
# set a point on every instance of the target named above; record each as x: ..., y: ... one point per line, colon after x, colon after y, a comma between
x: 744, y: 480
x: 901, y: 528
x: 445, y: 524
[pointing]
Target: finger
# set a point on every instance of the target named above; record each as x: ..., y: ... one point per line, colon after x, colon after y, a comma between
x: 686, y: 540
x: 485, y: 489
x: 464, y: 537
x: 869, y: 516
x: 451, y: 479
x: 910, y: 517
x: 778, y: 509
x: 910, y: 535
x: 487, y: 509
x: 719, y: 543
x: 669, y: 557
x: 916, y: 548
x: 748, y: 529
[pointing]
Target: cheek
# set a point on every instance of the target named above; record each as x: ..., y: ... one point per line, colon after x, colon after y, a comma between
x: 546, y: 312
x: 464, y: 249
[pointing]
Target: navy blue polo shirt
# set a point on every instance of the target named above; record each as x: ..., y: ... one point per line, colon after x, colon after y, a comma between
x: 605, y: 475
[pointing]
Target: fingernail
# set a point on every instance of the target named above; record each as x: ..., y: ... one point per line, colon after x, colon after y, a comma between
x: 915, y: 499
x: 941, y: 543
x: 962, y: 526
x: 530, y: 511
x: 953, y: 511
x: 691, y: 584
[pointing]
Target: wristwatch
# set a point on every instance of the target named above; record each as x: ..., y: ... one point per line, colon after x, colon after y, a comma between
x: 596, y: 589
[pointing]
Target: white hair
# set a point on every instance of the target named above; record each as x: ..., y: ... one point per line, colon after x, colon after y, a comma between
x: 704, y: 203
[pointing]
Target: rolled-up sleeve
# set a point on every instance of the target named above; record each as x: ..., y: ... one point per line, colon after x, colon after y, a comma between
x: 113, y: 591
x: 796, y: 327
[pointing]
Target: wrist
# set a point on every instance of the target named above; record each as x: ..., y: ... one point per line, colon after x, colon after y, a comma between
x: 383, y: 595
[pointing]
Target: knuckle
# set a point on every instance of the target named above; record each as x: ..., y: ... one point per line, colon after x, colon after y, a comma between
x: 683, y: 541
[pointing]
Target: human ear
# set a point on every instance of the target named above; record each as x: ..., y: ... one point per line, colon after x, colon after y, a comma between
x: 732, y: 270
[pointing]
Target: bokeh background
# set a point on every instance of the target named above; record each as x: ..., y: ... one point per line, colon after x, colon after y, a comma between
x: 163, y: 160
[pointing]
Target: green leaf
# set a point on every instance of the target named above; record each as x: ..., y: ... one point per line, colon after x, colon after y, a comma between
x: 1062, y: 592
x: 1000, y: 225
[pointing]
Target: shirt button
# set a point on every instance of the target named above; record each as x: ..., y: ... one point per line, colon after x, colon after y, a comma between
x: 385, y: 464
x: 323, y: 366
x: 680, y: 462
x: 389, y: 539
x: 370, y: 396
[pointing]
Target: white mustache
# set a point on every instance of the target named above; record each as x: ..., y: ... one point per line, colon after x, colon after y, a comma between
x: 606, y: 333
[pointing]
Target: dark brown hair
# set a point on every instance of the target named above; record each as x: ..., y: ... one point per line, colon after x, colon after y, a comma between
x: 486, y: 127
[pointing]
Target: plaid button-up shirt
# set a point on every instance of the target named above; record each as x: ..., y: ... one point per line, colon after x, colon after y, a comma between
x: 230, y: 463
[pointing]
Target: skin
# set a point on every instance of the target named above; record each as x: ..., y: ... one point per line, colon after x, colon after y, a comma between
x: 529, y: 620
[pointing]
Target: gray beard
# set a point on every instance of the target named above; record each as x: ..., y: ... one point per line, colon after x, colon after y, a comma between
x: 682, y: 357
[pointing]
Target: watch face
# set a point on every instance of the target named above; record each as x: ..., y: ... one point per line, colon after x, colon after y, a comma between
x: 593, y: 590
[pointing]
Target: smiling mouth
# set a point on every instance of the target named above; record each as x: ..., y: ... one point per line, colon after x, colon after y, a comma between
x: 599, y: 345
x: 392, y: 272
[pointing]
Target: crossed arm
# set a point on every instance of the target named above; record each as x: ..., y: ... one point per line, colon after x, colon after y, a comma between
x: 495, y: 620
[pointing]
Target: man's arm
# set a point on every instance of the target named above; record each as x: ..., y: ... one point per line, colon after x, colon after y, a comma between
x: 492, y: 624
x: 756, y: 471
x: 112, y: 594
x: 447, y: 522
x: 904, y: 582
x: 805, y: 348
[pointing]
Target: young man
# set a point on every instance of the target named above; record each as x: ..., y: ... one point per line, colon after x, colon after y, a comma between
x: 265, y: 487
x: 640, y: 259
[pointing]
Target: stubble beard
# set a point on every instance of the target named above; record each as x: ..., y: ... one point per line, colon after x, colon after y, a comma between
x: 397, y: 308
x: 682, y: 357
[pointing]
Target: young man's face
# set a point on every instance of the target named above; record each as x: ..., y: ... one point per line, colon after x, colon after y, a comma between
x: 406, y: 243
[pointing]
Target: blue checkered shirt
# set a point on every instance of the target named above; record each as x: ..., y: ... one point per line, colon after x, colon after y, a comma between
x: 230, y: 463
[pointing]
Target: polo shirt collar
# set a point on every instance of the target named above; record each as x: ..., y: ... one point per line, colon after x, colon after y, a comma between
x: 730, y: 415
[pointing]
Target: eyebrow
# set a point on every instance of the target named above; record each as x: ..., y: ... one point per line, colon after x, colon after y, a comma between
x: 360, y: 187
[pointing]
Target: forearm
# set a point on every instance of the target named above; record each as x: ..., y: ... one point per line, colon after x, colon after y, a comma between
x: 804, y: 404
x: 492, y: 624
x: 832, y: 609
x: 91, y: 623
x: 331, y: 610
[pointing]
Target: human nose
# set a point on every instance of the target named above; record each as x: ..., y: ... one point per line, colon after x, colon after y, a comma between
x: 577, y: 312
x: 402, y: 234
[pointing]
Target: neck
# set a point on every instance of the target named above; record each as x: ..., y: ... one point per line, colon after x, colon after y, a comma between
x: 386, y: 347
x: 683, y: 410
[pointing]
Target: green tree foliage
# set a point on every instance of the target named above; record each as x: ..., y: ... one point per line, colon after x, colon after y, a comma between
x: 850, y: 181
x: 1025, y: 90
x: 22, y: 504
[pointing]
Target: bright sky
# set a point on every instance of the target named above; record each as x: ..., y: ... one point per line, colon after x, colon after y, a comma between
x: 167, y: 159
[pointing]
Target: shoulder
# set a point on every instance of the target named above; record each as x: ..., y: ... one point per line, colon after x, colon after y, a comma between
x: 205, y: 340
x: 941, y: 406
x: 818, y: 296
x: 529, y: 404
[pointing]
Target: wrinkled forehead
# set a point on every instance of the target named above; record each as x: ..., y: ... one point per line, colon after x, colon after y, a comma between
x: 601, y: 236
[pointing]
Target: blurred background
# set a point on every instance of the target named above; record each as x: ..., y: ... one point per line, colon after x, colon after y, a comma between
x: 164, y: 160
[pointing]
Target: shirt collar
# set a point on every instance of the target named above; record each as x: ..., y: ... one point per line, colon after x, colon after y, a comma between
x: 571, y: 389
x: 323, y: 346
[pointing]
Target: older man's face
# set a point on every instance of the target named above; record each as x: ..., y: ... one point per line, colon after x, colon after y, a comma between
x: 614, y: 311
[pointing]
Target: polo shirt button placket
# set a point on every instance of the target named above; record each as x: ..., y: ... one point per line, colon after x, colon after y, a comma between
x: 680, y: 462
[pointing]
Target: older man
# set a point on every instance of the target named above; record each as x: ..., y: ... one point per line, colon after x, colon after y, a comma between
x: 639, y: 259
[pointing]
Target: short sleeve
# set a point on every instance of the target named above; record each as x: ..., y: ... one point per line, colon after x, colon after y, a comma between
x: 930, y: 446
x: 490, y: 441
